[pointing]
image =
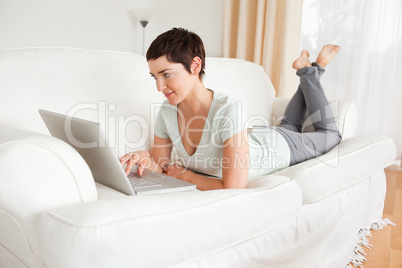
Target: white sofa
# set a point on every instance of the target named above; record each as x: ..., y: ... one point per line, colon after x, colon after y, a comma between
x: 53, y: 213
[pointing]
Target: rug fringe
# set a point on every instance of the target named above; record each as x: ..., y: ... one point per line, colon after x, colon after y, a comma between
x: 358, y: 258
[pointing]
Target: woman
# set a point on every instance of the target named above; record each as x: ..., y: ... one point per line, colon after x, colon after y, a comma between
x: 215, y: 148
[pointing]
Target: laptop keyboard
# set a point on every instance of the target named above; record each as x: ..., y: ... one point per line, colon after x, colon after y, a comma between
x: 142, y: 182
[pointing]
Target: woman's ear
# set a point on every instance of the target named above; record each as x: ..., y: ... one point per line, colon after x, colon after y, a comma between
x: 196, y: 65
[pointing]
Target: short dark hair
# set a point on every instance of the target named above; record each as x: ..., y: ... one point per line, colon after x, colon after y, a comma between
x: 179, y: 46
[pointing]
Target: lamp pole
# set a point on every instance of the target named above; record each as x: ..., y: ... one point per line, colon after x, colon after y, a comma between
x: 143, y: 15
x: 144, y: 24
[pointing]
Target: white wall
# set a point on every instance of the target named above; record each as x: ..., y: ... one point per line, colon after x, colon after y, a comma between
x: 105, y: 24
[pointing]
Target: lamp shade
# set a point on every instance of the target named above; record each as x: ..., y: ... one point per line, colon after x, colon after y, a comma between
x: 144, y: 15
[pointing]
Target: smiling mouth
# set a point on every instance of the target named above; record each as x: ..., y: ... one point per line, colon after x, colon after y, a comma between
x: 169, y: 94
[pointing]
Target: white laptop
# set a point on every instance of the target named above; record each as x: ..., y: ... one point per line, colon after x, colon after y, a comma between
x: 89, y: 139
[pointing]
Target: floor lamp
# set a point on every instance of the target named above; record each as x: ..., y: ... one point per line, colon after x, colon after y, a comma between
x: 144, y: 16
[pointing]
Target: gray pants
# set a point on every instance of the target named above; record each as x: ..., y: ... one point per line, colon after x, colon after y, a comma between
x: 309, y: 97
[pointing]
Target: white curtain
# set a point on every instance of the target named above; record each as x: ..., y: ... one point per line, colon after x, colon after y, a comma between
x: 368, y: 69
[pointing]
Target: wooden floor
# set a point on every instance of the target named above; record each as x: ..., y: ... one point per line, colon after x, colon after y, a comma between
x: 387, y: 243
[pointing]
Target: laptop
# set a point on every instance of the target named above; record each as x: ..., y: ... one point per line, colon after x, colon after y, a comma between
x: 89, y: 139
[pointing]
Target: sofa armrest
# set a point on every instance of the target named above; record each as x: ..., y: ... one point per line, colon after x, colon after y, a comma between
x: 37, y: 173
x: 349, y: 163
x: 345, y: 116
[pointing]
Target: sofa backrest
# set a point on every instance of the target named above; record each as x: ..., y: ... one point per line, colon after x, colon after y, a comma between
x: 113, y: 88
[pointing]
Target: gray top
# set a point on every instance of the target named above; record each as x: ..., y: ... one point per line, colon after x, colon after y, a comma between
x: 268, y: 149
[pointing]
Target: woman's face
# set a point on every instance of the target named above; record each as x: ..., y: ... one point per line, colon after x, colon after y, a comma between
x: 172, y: 79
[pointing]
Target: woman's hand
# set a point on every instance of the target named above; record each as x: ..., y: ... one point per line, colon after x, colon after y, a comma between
x: 176, y: 170
x: 140, y: 158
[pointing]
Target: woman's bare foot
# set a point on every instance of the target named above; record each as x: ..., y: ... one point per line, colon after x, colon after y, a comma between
x: 327, y: 53
x: 302, y: 61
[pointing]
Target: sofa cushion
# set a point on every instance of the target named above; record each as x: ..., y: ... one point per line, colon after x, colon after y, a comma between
x: 350, y: 162
x: 245, y: 81
x: 166, y: 229
x: 113, y: 88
